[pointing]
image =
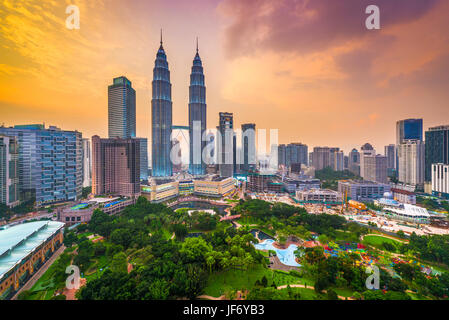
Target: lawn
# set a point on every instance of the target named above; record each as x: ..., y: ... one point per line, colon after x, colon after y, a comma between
x: 94, y: 272
x: 346, y: 236
x: 44, y: 288
x: 220, y: 282
x: 377, y: 241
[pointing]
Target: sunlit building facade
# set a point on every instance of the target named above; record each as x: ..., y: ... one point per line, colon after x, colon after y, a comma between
x: 121, y: 109
x: 50, y: 163
x: 161, y: 117
x: 197, y: 113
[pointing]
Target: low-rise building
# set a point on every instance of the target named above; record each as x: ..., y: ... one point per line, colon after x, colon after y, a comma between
x: 82, y: 212
x: 186, y: 187
x: 24, y: 248
x: 318, y: 195
x: 405, y: 212
x: 214, y: 186
x: 362, y: 190
x: 264, y: 182
x: 402, y: 211
x: 404, y: 196
x: 160, y: 190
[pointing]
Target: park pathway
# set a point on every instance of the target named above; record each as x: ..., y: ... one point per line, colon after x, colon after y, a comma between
x: 222, y: 297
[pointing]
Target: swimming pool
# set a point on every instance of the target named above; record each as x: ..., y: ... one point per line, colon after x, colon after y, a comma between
x: 286, y: 256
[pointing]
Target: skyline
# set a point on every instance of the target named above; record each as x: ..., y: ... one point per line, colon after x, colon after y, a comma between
x: 251, y: 69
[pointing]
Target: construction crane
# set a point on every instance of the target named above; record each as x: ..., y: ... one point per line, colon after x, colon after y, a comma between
x: 344, y: 202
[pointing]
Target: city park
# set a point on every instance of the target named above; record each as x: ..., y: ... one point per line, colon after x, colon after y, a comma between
x: 248, y: 249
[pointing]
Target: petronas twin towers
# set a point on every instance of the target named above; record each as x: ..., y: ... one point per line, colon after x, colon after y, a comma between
x: 162, y: 115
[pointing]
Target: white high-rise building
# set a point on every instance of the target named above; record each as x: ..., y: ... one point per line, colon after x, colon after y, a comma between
x: 87, y: 164
x: 411, y: 162
x: 440, y: 180
x: 366, y: 150
x: 338, y: 160
x: 375, y: 168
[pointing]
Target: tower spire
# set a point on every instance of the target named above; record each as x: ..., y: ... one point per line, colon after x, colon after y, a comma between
x: 161, y: 36
x: 196, y: 44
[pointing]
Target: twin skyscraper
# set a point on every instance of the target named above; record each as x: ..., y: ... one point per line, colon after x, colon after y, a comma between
x: 162, y: 114
x: 122, y: 113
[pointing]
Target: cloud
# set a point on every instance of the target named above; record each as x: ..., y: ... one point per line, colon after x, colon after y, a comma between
x: 306, y: 26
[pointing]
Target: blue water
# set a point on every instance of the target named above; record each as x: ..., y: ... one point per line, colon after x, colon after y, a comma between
x: 286, y: 256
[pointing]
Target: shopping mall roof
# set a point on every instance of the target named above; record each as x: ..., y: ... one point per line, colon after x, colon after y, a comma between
x: 411, y: 211
x: 18, y: 241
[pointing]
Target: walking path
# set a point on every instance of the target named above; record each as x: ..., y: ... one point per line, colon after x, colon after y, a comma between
x: 223, y: 297
x: 384, y: 236
x: 30, y: 283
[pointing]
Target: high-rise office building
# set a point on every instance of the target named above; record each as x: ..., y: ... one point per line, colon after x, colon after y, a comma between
x: 50, y: 163
x: 409, y: 129
x: 226, y: 144
x: 411, y: 162
x: 354, y: 162
x: 321, y: 158
x: 121, y: 109
x: 282, y: 154
x: 296, y: 153
x: 87, y: 163
x: 249, y: 147
x: 390, y: 153
x: 115, y: 166
x: 365, y: 151
x: 336, y: 159
x: 409, y: 135
x: 197, y: 113
x: 143, y: 159
x: 161, y: 117
x: 437, y: 148
x: 9, y: 171
x: 375, y: 168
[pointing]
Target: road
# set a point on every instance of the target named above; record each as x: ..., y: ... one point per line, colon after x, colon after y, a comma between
x: 39, y: 215
x: 30, y: 283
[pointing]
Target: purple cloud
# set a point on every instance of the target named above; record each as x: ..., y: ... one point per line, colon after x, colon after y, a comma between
x: 306, y: 26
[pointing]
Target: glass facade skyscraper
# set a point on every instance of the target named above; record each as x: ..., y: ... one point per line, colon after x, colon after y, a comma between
x: 143, y: 159
x: 409, y: 129
x: 161, y: 117
x: 121, y: 109
x: 437, y: 148
x: 50, y: 163
x: 296, y: 153
x: 197, y: 113
x: 249, y: 147
x: 226, y: 144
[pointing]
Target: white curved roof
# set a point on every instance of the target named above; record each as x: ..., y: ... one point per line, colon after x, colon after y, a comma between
x: 18, y: 241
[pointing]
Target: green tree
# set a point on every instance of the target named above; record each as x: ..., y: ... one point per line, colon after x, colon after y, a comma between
x: 119, y: 263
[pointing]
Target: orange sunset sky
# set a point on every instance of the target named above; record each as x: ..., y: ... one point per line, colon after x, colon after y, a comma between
x: 308, y: 68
